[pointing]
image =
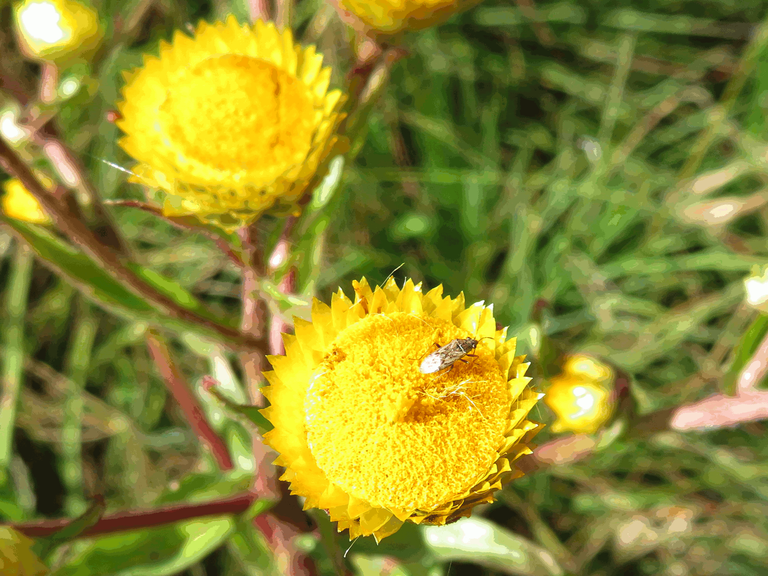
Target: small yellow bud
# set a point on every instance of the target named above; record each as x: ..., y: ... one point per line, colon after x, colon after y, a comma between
x: 19, y: 203
x: 389, y: 17
x: 57, y: 30
x: 583, y: 366
x: 756, y: 285
x: 582, y: 405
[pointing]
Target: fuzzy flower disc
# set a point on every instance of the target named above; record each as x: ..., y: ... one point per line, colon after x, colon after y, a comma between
x: 367, y: 436
x: 231, y: 122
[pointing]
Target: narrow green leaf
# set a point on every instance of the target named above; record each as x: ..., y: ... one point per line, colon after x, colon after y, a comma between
x: 153, y: 552
x: 99, y: 286
x: 251, y: 414
x: 744, y: 350
x: 482, y: 542
x: 13, y: 351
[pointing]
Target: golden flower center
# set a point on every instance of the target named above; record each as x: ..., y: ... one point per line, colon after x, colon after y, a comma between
x: 392, y: 436
x: 240, y: 115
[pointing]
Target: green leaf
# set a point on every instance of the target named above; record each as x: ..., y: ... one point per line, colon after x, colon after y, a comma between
x: 330, y: 184
x: 744, y: 351
x: 99, y: 286
x: 153, y: 552
x: 251, y: 414
x: 72, y: 530
x: 376, y: 565
x: 482, y: 542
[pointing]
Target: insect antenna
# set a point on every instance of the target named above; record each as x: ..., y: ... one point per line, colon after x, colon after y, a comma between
x: 392, y: 273
x: 350, y: 546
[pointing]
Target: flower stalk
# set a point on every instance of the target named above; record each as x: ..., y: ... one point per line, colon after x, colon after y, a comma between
x: 111, y: 262
x: 190, y: 406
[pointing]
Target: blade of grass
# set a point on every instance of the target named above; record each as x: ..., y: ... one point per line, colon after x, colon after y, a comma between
x: 13, y: 350
x: 77, y: 364
x: 747, y: 64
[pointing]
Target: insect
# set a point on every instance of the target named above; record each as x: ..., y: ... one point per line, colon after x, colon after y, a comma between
x: 445, y: 356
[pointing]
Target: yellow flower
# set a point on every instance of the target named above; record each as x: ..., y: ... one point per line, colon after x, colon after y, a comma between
x: 16, y: 555
x: 19, y: 203
x: 365, y: 435
x: 584, y: 366
x: 580, y: 396
x: 231, y: 121
x: 57, y: 30
x: 388, y: 17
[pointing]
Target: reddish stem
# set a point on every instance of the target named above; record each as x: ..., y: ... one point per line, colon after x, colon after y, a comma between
x: 287, y: 285
x: 183, y: 224
x: 137, y: 519
x: 259, y: 10
x: 254, y: 314
x: 108, y: 259
x: 181, y: 392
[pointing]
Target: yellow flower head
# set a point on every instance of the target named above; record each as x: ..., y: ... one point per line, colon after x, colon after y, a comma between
x: 365, y: 435
x: 584, y: 366
x: 230, y: 122
x: 57, y: 30
x: 389, y: 17
x: 16, y: 555
x: 580, y: 396
x: 19, y: 203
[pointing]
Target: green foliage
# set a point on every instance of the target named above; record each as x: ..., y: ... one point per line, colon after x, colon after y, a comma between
x: 566, y: 161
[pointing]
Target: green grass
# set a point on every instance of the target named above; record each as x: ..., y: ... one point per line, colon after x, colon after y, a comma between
x: 553, y: 161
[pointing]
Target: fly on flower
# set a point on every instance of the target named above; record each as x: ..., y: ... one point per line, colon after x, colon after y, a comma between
x: 446, y: 356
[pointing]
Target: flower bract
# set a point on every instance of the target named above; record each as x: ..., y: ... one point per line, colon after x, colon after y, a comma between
x: 230, y: 123
x: 365, y: 435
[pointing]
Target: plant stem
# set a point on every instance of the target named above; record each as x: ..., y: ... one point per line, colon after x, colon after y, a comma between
x: 181, y: 392
x: 259, y: 10
x: 137, y: 519
x: 254, y: 313
x: 284, y: 14
x: 279, y: 256
x: 84, y: 238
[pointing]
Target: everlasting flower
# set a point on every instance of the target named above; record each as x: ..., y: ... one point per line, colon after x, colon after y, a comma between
x: 230, y: 122
x: 389, y: 17
x: 19, y: 203
x: 365, y: 435
x: 580, y: 396
x: 57, y: 30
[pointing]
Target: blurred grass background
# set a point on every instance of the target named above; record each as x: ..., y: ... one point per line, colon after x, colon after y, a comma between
x: 596, y: 169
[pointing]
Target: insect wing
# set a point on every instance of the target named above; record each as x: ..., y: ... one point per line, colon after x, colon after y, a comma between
x: 432, y: 363
x: 447, y: 355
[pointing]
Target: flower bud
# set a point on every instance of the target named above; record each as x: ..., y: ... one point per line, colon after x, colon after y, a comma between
x: 57, y: 31
x: 19, y: 203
